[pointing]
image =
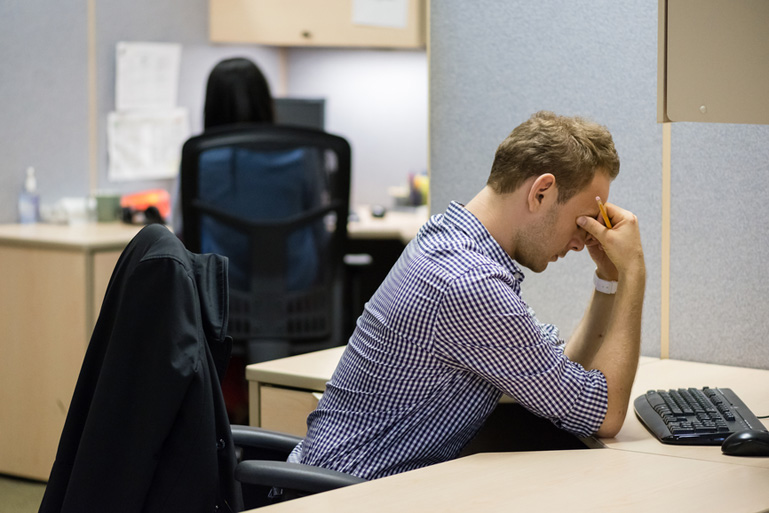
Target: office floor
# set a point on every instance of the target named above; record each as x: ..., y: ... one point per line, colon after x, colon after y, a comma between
x: 20, y: 495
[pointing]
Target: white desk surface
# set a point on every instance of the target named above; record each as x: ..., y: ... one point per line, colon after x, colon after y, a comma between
x: 751, y: 385
x: 308, y: 371
x: 637, y: 474
x: 571, y: 481
x: 396, y: 224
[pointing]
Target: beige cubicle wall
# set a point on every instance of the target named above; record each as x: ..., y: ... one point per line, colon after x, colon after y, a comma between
x: 699, y: 189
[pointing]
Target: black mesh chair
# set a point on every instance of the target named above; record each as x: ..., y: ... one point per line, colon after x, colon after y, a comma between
x: 275, y: 201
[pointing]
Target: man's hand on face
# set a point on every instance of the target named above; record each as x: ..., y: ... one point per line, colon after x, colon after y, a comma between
x: 614, y: 250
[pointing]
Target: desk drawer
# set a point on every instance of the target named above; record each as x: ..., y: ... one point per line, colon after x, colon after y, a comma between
x: 286, y: 409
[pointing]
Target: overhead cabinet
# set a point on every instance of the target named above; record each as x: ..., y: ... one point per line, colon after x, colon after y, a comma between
x: 714, y: 61
x: 331, y: 23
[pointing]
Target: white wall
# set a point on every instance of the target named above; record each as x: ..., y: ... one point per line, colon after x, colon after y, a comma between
x: 496, y: 62
x: 377, y: 100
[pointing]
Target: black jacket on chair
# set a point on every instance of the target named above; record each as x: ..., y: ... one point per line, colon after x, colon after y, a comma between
x: 147, y: 428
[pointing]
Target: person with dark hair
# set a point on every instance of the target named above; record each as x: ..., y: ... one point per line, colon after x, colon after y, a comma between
x: 253, y: 185
x: 269, y: 186
x: 237, y: 92
x: 448, y: 332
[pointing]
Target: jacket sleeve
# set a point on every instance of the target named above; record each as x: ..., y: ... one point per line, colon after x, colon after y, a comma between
x: 152, y: 355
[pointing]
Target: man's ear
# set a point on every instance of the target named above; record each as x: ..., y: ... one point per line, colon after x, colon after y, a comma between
x: 542, y: 191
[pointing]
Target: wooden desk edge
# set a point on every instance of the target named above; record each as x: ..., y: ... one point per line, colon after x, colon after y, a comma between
x: 87, y: 237
x: 274, y: 377
x: 627, y: 481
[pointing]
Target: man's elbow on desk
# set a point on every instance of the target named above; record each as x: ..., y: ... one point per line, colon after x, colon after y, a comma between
x: 619, y: 383
x: 612, y: 422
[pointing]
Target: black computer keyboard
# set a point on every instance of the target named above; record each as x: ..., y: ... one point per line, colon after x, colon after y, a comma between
x: 694, y: 416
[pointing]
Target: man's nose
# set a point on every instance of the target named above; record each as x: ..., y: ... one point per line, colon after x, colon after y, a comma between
x: 581, y: 239
x: 577, y: 243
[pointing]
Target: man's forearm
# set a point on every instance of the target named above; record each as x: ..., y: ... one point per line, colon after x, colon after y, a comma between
x: 617, y: 356
x: 591, y: 331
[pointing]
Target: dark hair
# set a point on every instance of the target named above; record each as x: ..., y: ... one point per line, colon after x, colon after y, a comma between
x: 237, y: 92
x: 571, y: 148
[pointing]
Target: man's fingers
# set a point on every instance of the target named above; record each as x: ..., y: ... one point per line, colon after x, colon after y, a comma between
x: 591, y: 226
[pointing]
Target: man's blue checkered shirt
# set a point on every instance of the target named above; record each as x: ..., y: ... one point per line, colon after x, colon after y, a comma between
x: 442, y: 339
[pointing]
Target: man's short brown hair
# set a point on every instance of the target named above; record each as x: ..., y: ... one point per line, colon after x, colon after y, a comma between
x: 570, y: 148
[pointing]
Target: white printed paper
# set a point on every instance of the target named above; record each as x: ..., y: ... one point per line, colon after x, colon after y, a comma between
x: 145, y: 145
x: 380, y: 13
x: 147, y: 75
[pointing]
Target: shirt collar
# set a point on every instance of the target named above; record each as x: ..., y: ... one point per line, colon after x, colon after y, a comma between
x: 464, y: 220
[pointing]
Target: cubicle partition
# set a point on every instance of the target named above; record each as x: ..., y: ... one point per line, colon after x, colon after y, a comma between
x: 699, y: 189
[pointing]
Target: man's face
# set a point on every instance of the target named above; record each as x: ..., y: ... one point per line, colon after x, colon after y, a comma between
x: 556, y: 232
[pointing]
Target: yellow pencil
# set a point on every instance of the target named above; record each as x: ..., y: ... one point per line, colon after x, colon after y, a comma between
x: 603, y: 212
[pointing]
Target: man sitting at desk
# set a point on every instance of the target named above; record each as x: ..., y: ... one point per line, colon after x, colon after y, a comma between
x: 448, y: 333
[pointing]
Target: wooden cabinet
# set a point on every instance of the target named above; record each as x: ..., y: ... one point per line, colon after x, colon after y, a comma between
x: 286, y: 410
x: 310, y: 23
x: 52, y: 281
x: 713, y: 63
x: 283, y: 392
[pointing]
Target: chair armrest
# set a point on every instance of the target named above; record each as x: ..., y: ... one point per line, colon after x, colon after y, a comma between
x: 258, y: 438
x: 293, y: 476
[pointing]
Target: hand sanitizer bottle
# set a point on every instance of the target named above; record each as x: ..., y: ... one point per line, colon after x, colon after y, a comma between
x: 29, y: 199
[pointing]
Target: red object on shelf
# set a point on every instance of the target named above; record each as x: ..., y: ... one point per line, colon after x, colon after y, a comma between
x: 140, y: 201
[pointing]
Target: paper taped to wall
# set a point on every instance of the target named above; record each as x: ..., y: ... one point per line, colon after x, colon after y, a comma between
x: 146, y: 145
x: 147, y: 75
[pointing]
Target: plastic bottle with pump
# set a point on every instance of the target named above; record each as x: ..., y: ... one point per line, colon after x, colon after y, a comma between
x: 29, y: 199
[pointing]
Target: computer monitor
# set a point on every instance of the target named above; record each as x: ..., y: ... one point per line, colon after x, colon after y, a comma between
x: 304, y: 112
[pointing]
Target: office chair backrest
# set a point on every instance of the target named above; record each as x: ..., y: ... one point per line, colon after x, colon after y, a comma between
x: 147, y: 428
x: 275, y: 201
